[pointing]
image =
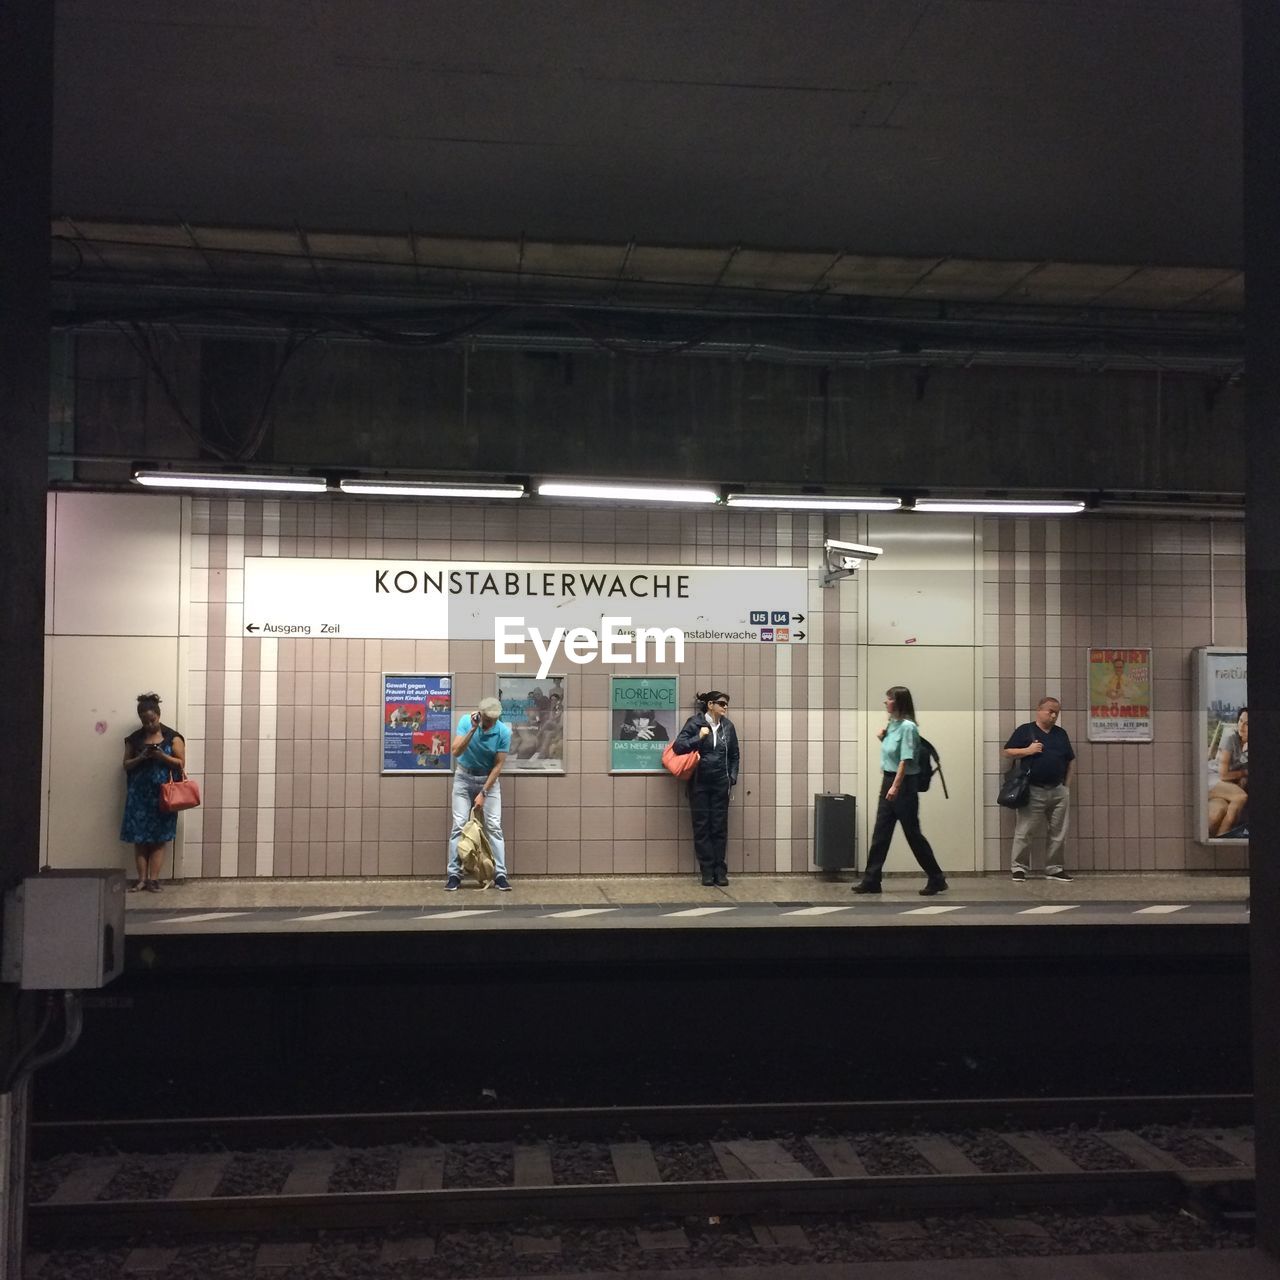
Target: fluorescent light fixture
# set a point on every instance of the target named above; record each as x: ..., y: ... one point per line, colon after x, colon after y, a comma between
x: 1001, y: 506
x: 429, y: 489
x: 229, y: 480
x: 626, y: 492
x: 1170, y: 510
x: 811, y: 502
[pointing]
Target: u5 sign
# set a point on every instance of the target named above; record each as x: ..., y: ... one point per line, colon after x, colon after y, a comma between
x: 417, y: 599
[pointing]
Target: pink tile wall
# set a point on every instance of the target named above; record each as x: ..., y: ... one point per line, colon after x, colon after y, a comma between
x: 320, y: 808
x: 1171, y: 585
x: 332, y: 814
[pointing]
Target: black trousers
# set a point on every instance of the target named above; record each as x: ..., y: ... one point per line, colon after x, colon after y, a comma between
x: 903, y: 808
x: 709, y: 804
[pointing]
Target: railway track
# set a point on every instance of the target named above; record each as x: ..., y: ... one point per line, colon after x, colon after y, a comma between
x: 240, y: 1176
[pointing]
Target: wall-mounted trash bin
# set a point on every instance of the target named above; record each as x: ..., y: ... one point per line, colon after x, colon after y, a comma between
x: 835, y: 831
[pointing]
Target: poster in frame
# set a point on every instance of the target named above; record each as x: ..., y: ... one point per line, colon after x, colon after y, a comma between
x: 533, y: 708
x: 1220, y: 745
x: 644, y: 715
x: 1119, y: 684
x: 417, y: 722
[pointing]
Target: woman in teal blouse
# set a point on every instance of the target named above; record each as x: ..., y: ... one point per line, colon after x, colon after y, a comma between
x: 899, y: 798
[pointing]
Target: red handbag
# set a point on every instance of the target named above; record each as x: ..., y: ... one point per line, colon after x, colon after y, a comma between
x: 681, y: 766
x: 178, y: 794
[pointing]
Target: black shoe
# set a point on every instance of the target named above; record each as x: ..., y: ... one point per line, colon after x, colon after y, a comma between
x: 866, y: 886
x: 708, y: 880
x: 932, y: 887
x: 1060, y: 876
x: 452, y: 884
x: 1018, y: 874
x: 721, y: 878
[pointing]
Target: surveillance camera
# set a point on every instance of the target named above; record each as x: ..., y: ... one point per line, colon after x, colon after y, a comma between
x: 845, y: 558
x: 855, y: 551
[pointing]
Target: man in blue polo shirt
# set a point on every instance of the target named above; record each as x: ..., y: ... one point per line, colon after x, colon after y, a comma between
x: 480, y: 748
x: 1046, y: 748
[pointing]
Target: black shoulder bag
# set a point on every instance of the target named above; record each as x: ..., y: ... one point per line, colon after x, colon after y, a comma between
x: 1015, y: 789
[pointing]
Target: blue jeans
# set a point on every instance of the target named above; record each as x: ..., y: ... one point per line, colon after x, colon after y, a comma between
x: 466, y: 786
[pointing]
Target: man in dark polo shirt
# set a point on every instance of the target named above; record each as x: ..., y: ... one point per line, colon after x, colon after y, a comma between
x: 1046, y: 748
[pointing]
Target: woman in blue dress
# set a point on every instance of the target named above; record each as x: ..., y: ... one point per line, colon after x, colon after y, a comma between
x: 153, y: 754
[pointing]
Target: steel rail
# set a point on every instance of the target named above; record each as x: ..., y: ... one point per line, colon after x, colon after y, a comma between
x: 897, y: 1195
x: 690, y: 1120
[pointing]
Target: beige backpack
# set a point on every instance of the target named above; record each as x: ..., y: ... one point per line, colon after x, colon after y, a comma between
x: 474, y: 854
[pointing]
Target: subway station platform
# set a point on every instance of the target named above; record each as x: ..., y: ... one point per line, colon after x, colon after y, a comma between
x: 237, y: 906
x: 655, y: 916
x: 307, y: 994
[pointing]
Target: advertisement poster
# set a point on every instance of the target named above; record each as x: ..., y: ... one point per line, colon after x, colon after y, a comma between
x: 416, y: 725
x: 1221, y: 746
x: 644, y: 716
x: 534, y: 709
x: 1119, y: 695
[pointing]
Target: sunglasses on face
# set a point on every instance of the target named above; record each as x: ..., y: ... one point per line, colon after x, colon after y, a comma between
x: 720, y: 702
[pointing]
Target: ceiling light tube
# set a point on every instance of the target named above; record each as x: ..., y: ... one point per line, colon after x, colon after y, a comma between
x: 1001, y: 506
x: 626, y: 492
x: 1170, y: 510
x: 429, y: 489
x: 811, y: 502
x: 230, y: 480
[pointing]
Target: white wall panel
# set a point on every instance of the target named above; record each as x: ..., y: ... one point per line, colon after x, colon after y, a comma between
x: 116, y: 564
x: 942, y: 684
x: 50, y: 524
x: 94, y: 684
x: 921, y: 591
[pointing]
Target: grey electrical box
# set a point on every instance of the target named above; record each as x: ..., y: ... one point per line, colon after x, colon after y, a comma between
x: 835, y: 831
x: 64, y: 931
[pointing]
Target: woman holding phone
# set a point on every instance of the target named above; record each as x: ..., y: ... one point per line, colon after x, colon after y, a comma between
x: 153, y: 754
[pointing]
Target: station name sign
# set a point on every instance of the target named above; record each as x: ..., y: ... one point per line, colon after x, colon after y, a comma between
x: 562, y: 584
x: 450, y: 600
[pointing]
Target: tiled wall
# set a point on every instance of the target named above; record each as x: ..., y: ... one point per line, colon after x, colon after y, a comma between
x: 1053, y: 589
x: 283, y: 733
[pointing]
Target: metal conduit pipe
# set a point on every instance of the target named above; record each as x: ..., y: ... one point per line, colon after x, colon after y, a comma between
x: 1222, y: 365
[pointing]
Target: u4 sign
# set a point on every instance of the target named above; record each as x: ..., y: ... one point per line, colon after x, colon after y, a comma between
x: 417, y: 599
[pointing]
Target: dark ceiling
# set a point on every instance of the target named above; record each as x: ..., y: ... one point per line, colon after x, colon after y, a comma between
x: 1103, y: 131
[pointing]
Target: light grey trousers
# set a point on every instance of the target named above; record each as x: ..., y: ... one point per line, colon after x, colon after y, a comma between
x: 1048, y: 808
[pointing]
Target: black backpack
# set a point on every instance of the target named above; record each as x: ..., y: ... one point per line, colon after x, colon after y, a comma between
x: 927, y: 762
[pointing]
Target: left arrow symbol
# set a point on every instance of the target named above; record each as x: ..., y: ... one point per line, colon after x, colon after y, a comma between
x: 253, y: 626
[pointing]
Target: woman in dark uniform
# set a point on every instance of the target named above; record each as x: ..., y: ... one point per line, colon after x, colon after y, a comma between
x: 711, y: 734
x: 153, y: 755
